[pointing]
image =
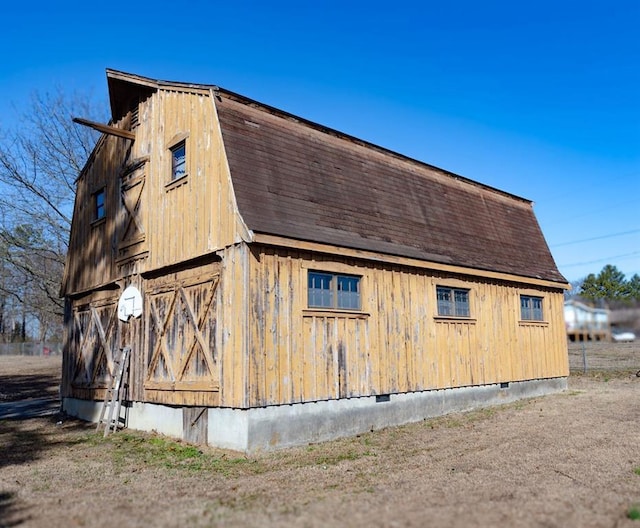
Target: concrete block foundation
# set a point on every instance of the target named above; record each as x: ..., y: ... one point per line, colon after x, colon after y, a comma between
x: 274, y: 427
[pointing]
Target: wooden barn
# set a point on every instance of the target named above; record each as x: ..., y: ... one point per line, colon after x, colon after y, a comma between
x: 297, y: 284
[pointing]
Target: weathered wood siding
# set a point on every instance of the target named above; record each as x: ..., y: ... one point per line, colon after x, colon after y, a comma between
x: 195, y: 214
x: 149, y: 218
x: 94, y: 337
x: 181, y: 351
x: 227, y: 323
x: 93, y: 243
x: 153, y: 231
x: 233, y: 326
x: 396, y: 343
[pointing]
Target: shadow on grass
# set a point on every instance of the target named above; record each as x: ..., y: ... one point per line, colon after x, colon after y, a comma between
x: 24, y: 387
x: 10, y: 513
x: 26, y: 440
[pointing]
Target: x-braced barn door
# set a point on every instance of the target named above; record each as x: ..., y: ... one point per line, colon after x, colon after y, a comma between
x: 96, y: 336
x: 181, y: 323
x: 132, y: 237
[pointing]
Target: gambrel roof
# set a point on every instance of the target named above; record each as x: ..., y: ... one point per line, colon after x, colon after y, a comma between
x: 297, y: 179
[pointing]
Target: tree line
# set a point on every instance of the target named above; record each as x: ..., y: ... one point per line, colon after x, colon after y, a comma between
x: 41, y: 154
x: 610, y: 286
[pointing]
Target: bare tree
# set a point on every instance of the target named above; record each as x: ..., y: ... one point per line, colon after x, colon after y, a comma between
x: 40, y: 159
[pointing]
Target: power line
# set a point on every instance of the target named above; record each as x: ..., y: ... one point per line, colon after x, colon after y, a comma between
x: 601, y: 237
x: 594, y: 212
x: 606, y: 182
x: 627, y: 255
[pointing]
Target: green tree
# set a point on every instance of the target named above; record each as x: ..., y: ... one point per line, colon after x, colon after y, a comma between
x: 633, y: 286
x: 609, y: 285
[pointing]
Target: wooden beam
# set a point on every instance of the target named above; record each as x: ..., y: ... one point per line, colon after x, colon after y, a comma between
x: 105, y: 129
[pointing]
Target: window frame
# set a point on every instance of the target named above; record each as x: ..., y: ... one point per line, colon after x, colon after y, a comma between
x: 99, y: 207
x: 178, y: 145
x: 340, y: 299
x: 452, y: 302
x: 529, y: 313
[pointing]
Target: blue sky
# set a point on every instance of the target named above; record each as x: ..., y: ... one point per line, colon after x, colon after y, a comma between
x: 540, y: 99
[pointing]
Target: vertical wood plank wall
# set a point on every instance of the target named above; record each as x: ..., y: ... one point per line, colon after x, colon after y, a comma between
x: 92, y: 244
x: 182, y: 220
x: 181, y: 344
x: 396, y: 343
x: 232, y: 327
x: 196, y: 214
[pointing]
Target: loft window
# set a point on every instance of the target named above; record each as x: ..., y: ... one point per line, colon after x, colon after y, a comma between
x: 99, y: 211
x: 330, y: 290
x: 178, y: 160
x: 530, y: 308
x: 453, y: 302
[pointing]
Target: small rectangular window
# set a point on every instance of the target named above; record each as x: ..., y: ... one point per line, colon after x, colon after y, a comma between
x: 531, y: 308
x: 453, y: 302
x: 178, y: 161
x: 330, y: 290
x: 99, y: 211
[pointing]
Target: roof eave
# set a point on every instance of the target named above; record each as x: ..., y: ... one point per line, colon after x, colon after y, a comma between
x: 286, y: 242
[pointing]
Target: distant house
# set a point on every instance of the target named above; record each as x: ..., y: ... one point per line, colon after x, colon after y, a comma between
x: 586, y: 323
x: 625, y: 322
x: 298, y: 284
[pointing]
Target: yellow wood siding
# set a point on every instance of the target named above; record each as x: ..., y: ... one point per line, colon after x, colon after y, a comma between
x: 174, y: 221
x: 155, y: 224
x: 232, y: 329
x: 397, y: 342
x: 196, y: 214
x: 181, y: 322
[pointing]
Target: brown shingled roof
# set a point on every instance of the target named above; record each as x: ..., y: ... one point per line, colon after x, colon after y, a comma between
x: 298, y: 180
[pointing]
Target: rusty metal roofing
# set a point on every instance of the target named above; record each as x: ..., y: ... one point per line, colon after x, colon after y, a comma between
x: 299, y: 180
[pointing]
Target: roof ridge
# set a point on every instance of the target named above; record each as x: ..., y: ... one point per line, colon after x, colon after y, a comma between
x: 242, y: 99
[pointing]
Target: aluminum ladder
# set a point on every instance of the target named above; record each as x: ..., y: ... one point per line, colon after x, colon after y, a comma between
x: 112, y: 398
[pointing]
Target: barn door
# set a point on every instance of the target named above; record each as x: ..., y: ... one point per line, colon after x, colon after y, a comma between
x: 96, y: 336
x: 181, y: 322
x: 131, y: 193
x: 131, y: 240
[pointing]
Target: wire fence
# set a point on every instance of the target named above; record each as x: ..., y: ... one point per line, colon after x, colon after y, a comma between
x: 30, y: 349
x: 592, y: 356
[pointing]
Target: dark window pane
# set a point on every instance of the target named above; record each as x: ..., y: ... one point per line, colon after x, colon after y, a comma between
x: 99, y: 205
x: 531, y: 308
x: 319, y: 291
x: 537, y: 308
x: 348, y: 292
x: 452, y: 302
x: 178, y: 161
x: 462, y: 303
x: 445, y: 304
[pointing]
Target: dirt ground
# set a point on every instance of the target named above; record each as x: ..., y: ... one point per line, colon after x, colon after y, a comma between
x: 571, y: 459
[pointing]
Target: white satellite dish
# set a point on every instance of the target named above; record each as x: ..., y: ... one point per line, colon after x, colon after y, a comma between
x: 130, y: 304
